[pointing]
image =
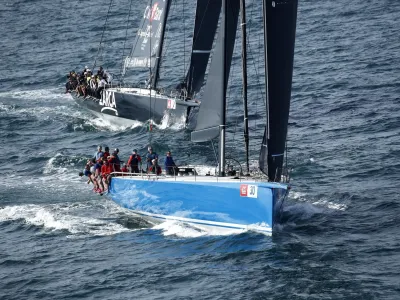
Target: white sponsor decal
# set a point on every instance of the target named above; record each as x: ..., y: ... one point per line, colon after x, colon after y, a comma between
x: 248, y: 190
x: 108, y: 99
x: 171, y: 104
x: 143, y: 62
x: 153, y: 13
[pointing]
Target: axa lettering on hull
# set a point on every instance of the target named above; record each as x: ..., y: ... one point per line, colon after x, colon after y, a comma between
x: 108, y: 99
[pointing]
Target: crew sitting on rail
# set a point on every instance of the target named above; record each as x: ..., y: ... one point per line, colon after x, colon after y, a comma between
x: 100, y: 87
x: 93, y: 85
x: 99, y: 153
x: 106, y: 170
x: 150, y: 156
x: 87, y: 172
x: 106, y: 152
x: 169, y: 164
x: 97, y: 173
x: 124, y: 169
x: 134, y: 161
x: 155, y: 168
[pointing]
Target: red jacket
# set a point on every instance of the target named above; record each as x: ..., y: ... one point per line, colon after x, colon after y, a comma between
x: 106, y: 170
x: 159, y: 171
x: 131, y: 160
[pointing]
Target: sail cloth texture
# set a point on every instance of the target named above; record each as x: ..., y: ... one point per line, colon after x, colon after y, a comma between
x: 280, y: 23
x: 205, y: 27
x: 146, y: 49
x: 212, y: 106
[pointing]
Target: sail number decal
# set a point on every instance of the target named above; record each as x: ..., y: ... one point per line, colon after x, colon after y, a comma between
x: 171, y: 104
x: 108, y: 99
x: 248, y: 190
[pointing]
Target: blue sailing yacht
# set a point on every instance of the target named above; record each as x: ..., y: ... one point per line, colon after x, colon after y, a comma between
x: 223, y: 202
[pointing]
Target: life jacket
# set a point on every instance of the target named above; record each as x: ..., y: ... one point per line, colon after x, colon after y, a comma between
x: 115, y: 163
x: 134, y: 160
x: 106, y: 170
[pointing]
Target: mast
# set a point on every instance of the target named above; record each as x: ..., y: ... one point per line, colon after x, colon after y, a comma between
x: 244, y: 79
x: 221, y: 165
x: 155, y: 75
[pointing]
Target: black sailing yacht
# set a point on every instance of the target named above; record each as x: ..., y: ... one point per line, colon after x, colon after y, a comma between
x: 122, y: 104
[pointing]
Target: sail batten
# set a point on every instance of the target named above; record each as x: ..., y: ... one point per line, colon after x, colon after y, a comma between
x: 212, y: 107
x: 279, y: 38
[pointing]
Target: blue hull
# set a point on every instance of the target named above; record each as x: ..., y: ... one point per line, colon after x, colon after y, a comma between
x: 230, y: 205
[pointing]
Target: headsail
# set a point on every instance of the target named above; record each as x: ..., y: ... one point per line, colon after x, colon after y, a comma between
x: 212, y: 107
x: 206, y: 23
x: 279, y: 34
x: 146, y: 51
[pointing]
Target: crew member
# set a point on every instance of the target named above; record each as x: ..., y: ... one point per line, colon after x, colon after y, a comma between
x: 155, y: 168
x: 106, y: 170
x: 150, y: 156
x: 134, y: 161
x: 115, y: 161
x: 169, y: 164
x: 98, y: 154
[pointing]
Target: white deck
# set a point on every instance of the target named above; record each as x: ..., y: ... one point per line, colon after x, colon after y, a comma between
x: 200, y: 178
x: 153, y: 93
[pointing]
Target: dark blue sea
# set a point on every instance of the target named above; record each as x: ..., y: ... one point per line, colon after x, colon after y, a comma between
x: 339, y: 234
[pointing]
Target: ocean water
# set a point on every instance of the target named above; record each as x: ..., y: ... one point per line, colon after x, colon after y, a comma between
x: 338, y: 237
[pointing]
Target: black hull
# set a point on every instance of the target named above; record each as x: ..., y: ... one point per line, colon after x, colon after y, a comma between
x: 132, y: 106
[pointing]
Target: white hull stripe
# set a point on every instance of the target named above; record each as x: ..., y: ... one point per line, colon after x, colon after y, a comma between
x: 203, y: 222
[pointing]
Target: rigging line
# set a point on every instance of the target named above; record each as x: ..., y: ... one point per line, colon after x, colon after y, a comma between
x: 286, y: 162
x: 184, y: 38
x: 126, y: 37
x: 102, y: 34
x: 215, y: 152
x: 250, y: 52
x: 149, y: 83
x: 234, y: 67
x: 201, y: 23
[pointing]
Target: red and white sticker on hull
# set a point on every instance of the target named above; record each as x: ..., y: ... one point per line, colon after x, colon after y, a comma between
x: 171, y: 104
x: 248, y: 190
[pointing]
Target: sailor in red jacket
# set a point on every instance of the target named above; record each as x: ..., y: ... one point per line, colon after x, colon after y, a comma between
x: 134, y: 161
x: 106, y: 170
x: 155, y: 168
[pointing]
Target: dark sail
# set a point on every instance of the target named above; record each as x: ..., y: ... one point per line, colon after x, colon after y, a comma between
x: 206, y: 23
x: 279, y: 34
x: 213, y: 103
x: 149, y: 39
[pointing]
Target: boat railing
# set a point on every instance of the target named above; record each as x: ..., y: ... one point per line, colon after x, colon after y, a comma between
x: 190, y: 171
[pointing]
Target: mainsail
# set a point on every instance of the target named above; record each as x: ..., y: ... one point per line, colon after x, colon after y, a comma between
x: 279, y: 35
x: 212, y: 109
x: 206, y: 23
x: 147, y: 49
